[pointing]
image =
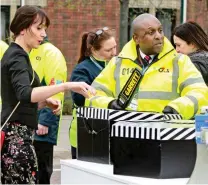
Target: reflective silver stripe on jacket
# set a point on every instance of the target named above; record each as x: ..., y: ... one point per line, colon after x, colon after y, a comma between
x: 161, y: 95
x: 94, y: 97
x: 195, y: 102
x: 190, y: 81
x: 98, y: 86
x: 101, y: 87
x: 117, y: 75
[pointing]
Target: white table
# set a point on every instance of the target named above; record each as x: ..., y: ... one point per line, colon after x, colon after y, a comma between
x: 81, y: 172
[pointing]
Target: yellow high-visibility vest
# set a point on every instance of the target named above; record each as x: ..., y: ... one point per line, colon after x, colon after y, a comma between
x: 3, y: 48
x: 172, y: 80
x: 50, y: 65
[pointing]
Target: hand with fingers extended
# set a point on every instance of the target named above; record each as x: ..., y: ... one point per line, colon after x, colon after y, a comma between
x: 82, y: 88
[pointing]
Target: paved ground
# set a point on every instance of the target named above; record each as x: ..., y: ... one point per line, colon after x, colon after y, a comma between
x: 62, y: 150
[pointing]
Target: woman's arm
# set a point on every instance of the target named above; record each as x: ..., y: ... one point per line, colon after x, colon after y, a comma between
x: 41, y: 93
x: 19, y: 74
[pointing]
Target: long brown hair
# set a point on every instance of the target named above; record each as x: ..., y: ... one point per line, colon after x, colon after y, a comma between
x: 25, y: 17
x: 91, y: 40
x: 192, y: 33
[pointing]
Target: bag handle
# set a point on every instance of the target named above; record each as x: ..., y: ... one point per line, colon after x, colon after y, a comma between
x: 16, y: 105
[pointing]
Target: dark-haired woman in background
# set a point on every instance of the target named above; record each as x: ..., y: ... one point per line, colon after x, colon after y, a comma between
x: 21, y: 84
x: 190, y: 39
x: 97, y: 48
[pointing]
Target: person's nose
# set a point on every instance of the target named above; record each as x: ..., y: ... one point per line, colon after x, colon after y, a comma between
x: 158, y: 35
x: 113, y: 52
x: 43, y: 33
x: 177, y: 49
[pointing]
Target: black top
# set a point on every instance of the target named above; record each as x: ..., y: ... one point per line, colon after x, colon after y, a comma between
x: 17, y: 74
x: 200, y: 60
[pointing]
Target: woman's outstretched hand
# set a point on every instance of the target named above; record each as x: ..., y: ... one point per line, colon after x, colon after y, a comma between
x: 82, y: 88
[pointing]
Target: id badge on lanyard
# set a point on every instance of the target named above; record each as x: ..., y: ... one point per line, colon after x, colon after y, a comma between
x: 134, y: 102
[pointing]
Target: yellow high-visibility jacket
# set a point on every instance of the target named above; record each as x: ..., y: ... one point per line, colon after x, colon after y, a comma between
x: 3, y: 48
x: 172, y: 80
x: 50, y: 65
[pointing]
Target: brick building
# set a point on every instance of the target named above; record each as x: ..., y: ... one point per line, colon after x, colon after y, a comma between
x: 69, y: 18
x: 197, y: 10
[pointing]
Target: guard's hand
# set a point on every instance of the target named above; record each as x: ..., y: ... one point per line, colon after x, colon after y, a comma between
x: 169, y: 110
x: 114, y: 105
x: 42, y: 130
x: 54, y: 105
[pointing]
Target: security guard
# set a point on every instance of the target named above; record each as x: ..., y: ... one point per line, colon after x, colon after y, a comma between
x: 50, y: 65
x: 3, y: 48
x: 170, y: 82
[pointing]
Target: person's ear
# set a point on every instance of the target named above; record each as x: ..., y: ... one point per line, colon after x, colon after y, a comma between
x: 194, y: 48
x: 136, y: 39
x: 22, y: 32
x: 93, y: 51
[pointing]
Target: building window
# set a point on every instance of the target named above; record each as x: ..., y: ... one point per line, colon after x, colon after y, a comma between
x: 133, y: 13
x: 167, y: 18
x: 5, y: 17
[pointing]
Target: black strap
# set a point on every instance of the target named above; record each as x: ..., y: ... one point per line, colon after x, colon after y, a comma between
x: 129, y: 88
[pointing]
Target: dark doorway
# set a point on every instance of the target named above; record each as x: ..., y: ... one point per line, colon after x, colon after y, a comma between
x: 5, y: 17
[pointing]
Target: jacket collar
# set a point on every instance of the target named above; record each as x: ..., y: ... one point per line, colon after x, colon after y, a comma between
x: 130, y: 50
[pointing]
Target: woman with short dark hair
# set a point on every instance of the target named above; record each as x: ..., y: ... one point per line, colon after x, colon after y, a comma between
x: 190, y: 39
x: 21, y: 96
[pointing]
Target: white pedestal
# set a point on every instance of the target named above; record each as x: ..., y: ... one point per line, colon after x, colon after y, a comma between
x: 80, y: 172
x: 199, y: 175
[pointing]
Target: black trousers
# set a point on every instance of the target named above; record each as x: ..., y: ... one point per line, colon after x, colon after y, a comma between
x: 44, y: 151
x: 73, y: 152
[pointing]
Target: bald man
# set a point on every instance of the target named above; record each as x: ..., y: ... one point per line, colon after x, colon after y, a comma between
x: 148, y: 34
x: 170, y: 82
